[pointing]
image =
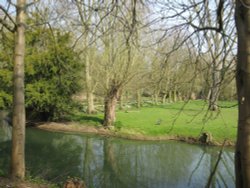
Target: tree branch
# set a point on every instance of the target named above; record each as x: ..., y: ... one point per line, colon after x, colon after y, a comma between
x: 7, y: 26
x: 7, y: 14
x: 220, y: 15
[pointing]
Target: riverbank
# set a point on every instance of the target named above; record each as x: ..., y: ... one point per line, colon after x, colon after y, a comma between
x: 184, y: 121
x: 9, y: 183
x: 75, y: 127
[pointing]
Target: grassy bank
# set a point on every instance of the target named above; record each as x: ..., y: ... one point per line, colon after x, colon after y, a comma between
x: 176, y: 119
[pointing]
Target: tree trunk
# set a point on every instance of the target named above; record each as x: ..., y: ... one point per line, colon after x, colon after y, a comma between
x: 138, y: 97
x: 91, y: 106
x: 242, y: 153
x: 164, y: 99
x: 213, y: 100
x: 180, y: 98
x: 175, y: 94
x: 121, y: 102
x: 18, y: 131
x: 208, y: 95
x: 170, y: 97
x: 155, y: 98
x: 109, y: 106
x: 90, y: 96
x: 86, y: 21
x: 215, y: 89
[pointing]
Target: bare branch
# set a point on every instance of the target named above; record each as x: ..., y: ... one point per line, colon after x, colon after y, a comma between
x: 7, y: 26
x: 7, y: 14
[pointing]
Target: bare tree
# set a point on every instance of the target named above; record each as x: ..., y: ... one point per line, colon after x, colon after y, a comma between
x: 85, y: 12
x: 218, y: 47
x: 119, y: 61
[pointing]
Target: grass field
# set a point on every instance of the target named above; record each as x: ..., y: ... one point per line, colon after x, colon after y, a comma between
x: 177, y: 119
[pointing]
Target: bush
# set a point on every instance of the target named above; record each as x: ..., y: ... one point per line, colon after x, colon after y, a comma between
x: 52, y: 74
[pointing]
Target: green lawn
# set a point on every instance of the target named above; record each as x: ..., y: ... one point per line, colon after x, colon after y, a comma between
x: 182, y: 119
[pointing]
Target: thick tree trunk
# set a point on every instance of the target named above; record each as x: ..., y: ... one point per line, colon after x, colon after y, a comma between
x: 91, y: 106
x: 213, y: 102
x: 242, y: 153
x: 109, y: 107
x: 18, y: 131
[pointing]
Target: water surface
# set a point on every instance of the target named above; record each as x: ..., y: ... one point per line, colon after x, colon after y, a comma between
x: 116, y: 163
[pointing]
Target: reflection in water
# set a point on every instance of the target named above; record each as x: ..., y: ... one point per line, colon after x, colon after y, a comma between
x: 5, y: 128
x: 5, y: 143
x: 108, y: 162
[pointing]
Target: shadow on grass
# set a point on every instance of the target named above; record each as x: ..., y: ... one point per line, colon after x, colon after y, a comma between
x: 87, y: 119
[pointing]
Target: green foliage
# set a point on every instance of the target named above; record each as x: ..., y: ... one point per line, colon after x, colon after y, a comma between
x: 52, y: 74
x: 6, y: 71
x: 1, y: 173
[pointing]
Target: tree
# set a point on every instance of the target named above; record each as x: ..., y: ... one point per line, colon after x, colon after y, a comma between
x: 209, y: 25
x: 52, y: 72
x: 218, y: 48
x: 118, y: 32
x: 242, y: 153
x: 86, y: 14
x: 48, y: 76
x: 18, y: 119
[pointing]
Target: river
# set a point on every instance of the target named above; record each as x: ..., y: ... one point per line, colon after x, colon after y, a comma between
x: 105, y: 162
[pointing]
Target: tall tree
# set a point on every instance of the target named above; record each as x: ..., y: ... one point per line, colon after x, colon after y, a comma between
x: 118, y: 39
x: 18, y: 131
x: 86, y: 14
x: 242, y: 153
x: 18, y: 119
